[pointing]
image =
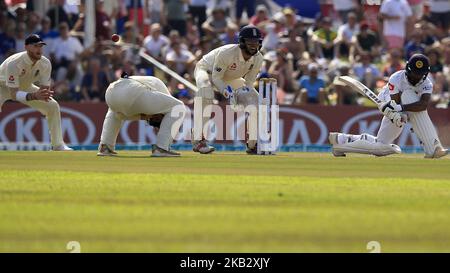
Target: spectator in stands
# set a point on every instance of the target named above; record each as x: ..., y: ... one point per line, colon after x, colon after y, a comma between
x: 67, y: 83
x: 345, y: 35
x: 397, y: 18
x: 20, y: 36
x: 365, y: 41
x: 155, y: 42
x: 48, y: 35
x: 33, y: 23
x: 175, y: 15
x: 416, y: 8
x: 94, y: 83
x: 312, y: 88
x: 261, y: 18
x: 344, y: 94
x: 155, y: 11
x: 8, y: 41
x: 180, y: 59
x: 294, y: 43
x: 204, y: 47
x: 366, y: 72
x: 217, y: 23
x: 65, y: 48
x: 282, y: 70
x: 248, y: 6
x: 102, y: 22
x: 231, y: 35
x: 197, y: 9
x: 324, y: 40
x: 192, y: 33
x: 345, y: 7
x: 174, y: 38
x: 291, y: 18
x: 394, y: 63
x: 436, y: 71
x: 415, y: 44
x: 440, y: 15
x: 131, y: 34
x: 58, y: 12
x: 273, y: 31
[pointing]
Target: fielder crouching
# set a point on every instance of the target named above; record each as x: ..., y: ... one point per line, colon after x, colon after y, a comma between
x: 407, y: 94
x: 141, y: 97
x: 230, y: 70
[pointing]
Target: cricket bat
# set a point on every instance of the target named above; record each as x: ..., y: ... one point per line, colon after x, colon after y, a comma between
x: 361, y: 88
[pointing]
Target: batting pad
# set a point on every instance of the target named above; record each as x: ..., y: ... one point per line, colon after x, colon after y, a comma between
x: 364, y: 144
x: 425, y: 131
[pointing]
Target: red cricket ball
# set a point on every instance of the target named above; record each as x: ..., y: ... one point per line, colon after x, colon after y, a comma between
x: 115, y: 38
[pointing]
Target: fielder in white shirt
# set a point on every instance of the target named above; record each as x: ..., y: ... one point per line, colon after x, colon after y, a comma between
x: 18, y: 75
x: 406, y: 95
x: 230, y: 70
x: 146, y: 98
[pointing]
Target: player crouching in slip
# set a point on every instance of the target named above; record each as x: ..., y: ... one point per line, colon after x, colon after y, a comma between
x: 230, y: 70
x: 407, y: 94
x: 141, y: 97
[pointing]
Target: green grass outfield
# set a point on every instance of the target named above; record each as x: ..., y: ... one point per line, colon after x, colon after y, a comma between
x: 224, y: 202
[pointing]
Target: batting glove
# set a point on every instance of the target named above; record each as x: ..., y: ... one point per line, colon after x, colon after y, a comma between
x: 389, y: 107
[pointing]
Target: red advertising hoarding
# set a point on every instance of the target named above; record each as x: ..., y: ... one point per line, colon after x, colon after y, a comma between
x: 82, y: 124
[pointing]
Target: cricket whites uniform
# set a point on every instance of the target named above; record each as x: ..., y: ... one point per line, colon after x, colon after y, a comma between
x: 130, y: 97
x: 388, y: 132
x: 18, y: 71
x: 214, y: 72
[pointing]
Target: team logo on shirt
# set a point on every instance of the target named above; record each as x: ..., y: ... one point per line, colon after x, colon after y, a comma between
x: 23, y: 72
x: 37, y: 73
x: 233, y: 66
x: 218, y: 69
x: 391, y: 87
x: 11, y: 78
x: 419, y: 64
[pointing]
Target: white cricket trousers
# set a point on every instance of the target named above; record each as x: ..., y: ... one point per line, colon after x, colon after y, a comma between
x: 50, y: 109
x: 127, y: 102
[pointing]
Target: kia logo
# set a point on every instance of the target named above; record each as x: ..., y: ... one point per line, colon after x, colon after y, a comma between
x: 25, y: 133
x: 300, y: 128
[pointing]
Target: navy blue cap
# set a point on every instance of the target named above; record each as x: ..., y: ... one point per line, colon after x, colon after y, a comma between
x: 34, y: 39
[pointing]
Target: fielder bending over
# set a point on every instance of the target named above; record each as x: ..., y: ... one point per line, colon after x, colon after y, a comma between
x: 230, y: 70
x: 407, y: 93
x: 141, y: 97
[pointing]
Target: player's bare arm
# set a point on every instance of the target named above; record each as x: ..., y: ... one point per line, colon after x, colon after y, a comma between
x: 418, y: 106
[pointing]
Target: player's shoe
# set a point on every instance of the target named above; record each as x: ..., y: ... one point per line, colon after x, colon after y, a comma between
x: 202, y: 147
x: 160, y: 152
x: 105, y: 150
x: 438, y: 152
x: 63, y: 147
x: 252, y: 151
x: 333, y: 139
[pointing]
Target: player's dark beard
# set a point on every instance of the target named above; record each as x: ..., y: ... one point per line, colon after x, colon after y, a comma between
x: 247, y: 50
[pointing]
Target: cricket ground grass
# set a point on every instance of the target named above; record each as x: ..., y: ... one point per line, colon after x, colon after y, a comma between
x: 223, y: 202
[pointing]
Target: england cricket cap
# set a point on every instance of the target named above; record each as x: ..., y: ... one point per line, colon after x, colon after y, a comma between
x: 34, y: 39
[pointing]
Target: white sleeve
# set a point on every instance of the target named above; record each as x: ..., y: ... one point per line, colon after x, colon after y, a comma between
x: 45, y: 78
x: 393, y: 84
x: 218, y: 71
x: 427, y: 86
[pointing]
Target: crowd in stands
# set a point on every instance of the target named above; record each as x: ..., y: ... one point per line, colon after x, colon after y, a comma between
x: 305, y: 55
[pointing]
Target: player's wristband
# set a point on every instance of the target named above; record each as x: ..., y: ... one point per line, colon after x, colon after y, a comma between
x: 21, y: 96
